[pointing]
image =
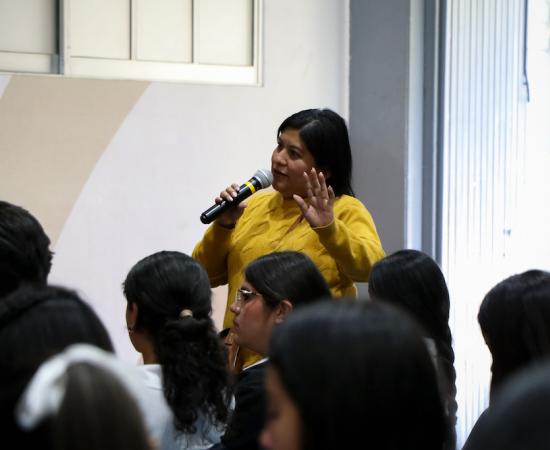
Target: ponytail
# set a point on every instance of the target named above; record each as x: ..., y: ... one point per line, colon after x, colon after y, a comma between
x: 447, y: 377
x: 195, y: 378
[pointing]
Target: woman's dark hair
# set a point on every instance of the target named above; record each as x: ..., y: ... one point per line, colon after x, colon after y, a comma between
x: 192, y: 357
x: 35, y: 324
x: 518, y: 419
x: 515, y: 321
x: 97, y: 413
x: 359, y: 371
x: 325, y: 135
x: 286, y: 275
x: 25, y: 256
x: 413, y: 281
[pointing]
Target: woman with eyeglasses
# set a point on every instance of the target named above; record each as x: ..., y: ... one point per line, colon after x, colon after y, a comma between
x: 273, y: 286
x: 312, y: 210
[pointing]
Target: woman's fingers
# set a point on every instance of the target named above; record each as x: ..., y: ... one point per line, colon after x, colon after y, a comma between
x: 309, y: 190
x: 323, y: 186
x: 229, y: 193
x: 317, y: 184
x: 316, y: 187
x: 320, y: 199
x: 314, y: 180
x: 301, y: 203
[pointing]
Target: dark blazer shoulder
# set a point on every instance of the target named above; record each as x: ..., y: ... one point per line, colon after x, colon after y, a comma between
x: 243, y: 430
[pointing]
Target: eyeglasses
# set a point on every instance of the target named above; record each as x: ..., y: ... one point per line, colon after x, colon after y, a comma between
x: 243, y: 296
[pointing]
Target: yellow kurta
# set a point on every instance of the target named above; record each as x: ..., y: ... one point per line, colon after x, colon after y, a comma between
x: 344, y: 251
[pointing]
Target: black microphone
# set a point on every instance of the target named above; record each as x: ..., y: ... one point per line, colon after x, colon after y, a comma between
x: 261, y: 179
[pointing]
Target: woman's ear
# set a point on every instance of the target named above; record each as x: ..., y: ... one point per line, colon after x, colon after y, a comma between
x: 326, y: 172
x: 131, y: 315
x: 283, y: 310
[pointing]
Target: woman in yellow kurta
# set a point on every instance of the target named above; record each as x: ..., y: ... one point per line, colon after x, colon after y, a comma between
x: 312, y: 210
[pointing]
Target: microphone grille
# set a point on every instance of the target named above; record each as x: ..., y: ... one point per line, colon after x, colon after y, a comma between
x: 264, y: 176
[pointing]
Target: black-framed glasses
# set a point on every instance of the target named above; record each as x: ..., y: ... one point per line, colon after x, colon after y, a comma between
x: 244, y: 295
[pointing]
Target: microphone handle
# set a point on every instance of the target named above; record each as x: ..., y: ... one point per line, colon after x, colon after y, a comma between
x: 245, y: 191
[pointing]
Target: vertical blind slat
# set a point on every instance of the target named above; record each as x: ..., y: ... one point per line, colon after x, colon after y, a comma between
x: 482, y: 127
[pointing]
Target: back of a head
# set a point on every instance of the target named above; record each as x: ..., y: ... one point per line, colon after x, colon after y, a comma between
x: 25, y: 256
x: 287, y: 275
x: 36, y: 323
x: 515, y: 321
x: 97, y: 413
x: 83, y: 398
x: 411, y: 280
x: 518, y: 419
x: 162, y: 285
x: 173, y: 295
x: 359, y: 372
x: 325, y: 134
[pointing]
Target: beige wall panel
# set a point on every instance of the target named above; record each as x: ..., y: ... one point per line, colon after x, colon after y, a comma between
x: 52, y: 133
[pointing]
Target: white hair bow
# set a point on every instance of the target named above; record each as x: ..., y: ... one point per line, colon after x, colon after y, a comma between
x: 45, y: 392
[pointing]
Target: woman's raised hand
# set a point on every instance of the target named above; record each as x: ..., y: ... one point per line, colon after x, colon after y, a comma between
x: 229, y: 218
x: 318, y: 209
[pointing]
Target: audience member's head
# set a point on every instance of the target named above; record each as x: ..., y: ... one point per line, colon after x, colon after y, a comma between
x: 515, y: 321
x: 518, y: 418
x: 168, y: 316
x: 413, y: 281
x: 273, y: 286
x: 25, y: 256
x: 80, y: 400
x: 350, y: 375
x: 35, y: 324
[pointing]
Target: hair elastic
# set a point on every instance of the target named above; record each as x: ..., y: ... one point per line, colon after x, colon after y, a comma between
x: 186, y: 313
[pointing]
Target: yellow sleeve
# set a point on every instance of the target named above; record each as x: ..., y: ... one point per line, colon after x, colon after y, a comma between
x: 214, y: 248
x: 352, y: 239
x: 212, y: 252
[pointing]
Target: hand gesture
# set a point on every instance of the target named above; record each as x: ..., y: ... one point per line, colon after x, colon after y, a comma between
x: 229, y: 218
x: 318, y: 210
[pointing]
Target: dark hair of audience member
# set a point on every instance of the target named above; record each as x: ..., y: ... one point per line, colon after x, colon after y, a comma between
x: 412, y: 281
x: 25, y: 256
x: 97, y: 413
x: 286, y: 275
x: 325, y: 135
x: 359, y: 372
x: 515, y: 321
x: 189, y: 350
x: 35, y: 324
x: 518, y: 418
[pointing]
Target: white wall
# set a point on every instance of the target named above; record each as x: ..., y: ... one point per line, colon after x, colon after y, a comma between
x: 180, y: 144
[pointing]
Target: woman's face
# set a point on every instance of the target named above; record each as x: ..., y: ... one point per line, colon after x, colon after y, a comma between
x: 282, y: 430
x: 254, y: 320
x: 290, y: 159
